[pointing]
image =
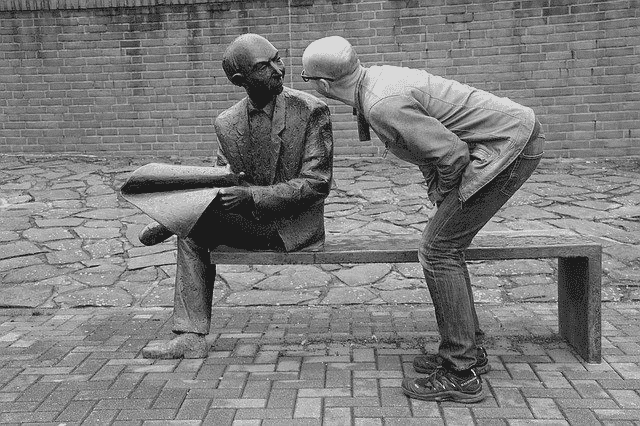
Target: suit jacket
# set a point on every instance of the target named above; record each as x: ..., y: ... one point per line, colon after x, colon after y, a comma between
x: 301, y: 168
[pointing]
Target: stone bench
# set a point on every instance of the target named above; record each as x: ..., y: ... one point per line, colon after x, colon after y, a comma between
x: 579, y: 269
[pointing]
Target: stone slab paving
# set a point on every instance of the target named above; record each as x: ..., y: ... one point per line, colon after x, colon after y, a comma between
x: 315, y: 365
x: 67, y: 239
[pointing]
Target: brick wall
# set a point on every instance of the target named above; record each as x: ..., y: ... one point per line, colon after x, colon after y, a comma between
x: 144, y: 77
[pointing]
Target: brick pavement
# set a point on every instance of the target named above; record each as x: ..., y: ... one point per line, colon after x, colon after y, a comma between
x: 306, y: 366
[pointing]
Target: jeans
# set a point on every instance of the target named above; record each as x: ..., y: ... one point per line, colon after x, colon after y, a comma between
x: 441, y: 254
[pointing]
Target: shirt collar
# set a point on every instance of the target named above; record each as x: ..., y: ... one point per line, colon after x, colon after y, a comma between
x: 268, y: 108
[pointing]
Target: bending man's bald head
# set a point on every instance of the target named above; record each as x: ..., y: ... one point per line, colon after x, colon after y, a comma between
x: 331, y: 57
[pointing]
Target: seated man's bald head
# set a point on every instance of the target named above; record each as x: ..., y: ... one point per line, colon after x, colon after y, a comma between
x: 331, y: 57
x: 238, y: 58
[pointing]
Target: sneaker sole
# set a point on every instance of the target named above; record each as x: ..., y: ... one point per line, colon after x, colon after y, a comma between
x: 478, y: 370
x: 447, y: 396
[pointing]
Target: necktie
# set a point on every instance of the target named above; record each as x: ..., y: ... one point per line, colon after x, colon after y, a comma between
x: 261, y: 147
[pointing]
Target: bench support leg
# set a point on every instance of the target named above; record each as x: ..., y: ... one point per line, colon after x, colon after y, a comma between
x: 579, y: 281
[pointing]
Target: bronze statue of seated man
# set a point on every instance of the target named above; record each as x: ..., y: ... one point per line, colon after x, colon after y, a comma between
x: 280, y: 142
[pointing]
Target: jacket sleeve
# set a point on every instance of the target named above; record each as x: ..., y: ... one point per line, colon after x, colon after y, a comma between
x: 313, y: 182
x: 411, y: 134
x: 221, y: 159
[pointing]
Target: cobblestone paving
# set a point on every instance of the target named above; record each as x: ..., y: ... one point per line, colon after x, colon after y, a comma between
x: 68, y: 240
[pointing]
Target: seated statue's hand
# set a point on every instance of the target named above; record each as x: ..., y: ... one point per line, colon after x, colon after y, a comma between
x: 235, y: 197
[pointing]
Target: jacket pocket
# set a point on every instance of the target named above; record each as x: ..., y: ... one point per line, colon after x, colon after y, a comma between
x: 480, y: 154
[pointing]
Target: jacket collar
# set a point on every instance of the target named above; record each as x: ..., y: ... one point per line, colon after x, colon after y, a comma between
x: 357, y: 96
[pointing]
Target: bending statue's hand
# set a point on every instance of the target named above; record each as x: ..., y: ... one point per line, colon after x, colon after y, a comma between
x: 234, y: 197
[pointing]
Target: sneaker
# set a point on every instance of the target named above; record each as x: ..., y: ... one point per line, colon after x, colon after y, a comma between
x: 428, y: 364
x: 444, y: 385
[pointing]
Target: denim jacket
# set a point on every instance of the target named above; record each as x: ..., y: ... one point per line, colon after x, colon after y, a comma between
x: 460, y: 137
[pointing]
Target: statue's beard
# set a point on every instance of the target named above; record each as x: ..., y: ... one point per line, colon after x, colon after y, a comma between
x: 276, y: 86
x: 263, y: 93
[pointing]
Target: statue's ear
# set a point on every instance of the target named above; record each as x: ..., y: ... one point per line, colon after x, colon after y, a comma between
x: 238, y: 79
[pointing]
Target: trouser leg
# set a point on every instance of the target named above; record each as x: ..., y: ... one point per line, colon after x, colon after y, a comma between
x: 479, y: 334
x: 195, y: 278
x: 195, y: 275
x: 441, y: 253
x: 453, y: 305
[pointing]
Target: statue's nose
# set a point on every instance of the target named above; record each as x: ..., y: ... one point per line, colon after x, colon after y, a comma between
x: 278, y: 67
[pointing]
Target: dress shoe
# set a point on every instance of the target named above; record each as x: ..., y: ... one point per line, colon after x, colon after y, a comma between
x: 153, y: 234
x: 186, y: 345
